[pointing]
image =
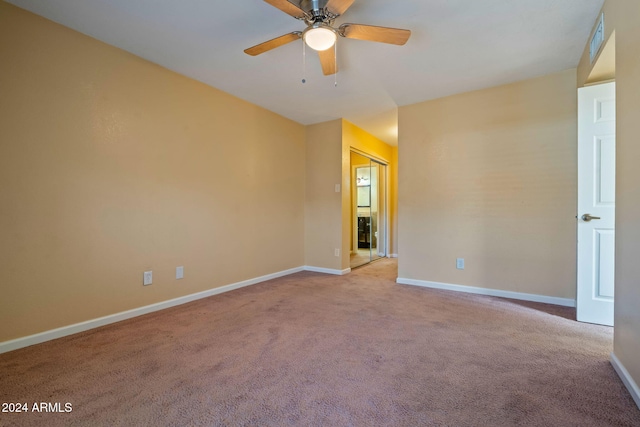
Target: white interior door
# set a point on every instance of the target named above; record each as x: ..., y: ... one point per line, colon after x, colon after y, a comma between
x: 596, y: 203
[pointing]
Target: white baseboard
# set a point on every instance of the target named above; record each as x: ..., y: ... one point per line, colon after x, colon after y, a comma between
x: 567, y: 302
x: 117, y: 317
x: 327, y: 270
x: 626, y: 378
x: 393, y: 255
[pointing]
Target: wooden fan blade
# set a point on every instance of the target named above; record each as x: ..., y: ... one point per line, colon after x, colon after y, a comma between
x: 287, y: 7
x: 328, y: 61
x: 273, y: 43
x: 339, y: 7
x: 375, y: 34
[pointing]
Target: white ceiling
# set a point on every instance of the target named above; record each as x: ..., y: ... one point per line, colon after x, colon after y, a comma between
x: 456, y: 46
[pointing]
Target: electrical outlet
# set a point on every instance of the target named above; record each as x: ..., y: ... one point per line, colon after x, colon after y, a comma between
x: 336, y: 252
x: 337, y: 188
x: 180, y: 272
x: 460, y: 263
x: 148, y: 278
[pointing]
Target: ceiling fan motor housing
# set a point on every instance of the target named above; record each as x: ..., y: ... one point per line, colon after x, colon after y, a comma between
x: 317, y: 11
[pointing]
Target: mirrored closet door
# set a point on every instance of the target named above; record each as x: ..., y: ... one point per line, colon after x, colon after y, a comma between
x: 368, y: 209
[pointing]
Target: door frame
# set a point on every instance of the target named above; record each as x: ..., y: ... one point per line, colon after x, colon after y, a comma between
x: 387, y: 219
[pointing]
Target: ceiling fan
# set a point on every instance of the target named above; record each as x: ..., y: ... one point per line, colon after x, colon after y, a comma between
x: 320, y: 34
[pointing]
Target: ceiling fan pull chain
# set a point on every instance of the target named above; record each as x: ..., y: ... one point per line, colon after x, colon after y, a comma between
x: 335, y: 64
x: 304, y: 63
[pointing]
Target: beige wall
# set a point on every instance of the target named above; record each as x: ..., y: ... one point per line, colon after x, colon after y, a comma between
x: 621, y: 19
x: 111, y: 165
x: 627, y: 306
x: 490, y: 176
x: 346, y: 196
x: 323, y: 206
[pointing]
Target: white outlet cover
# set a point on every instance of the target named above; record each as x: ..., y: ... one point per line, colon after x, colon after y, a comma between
x: 460, y: 263
x: 147, y: 278
x: 180, y: 272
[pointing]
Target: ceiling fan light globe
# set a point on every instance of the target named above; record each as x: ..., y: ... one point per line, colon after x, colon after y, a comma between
x: 320, y: 38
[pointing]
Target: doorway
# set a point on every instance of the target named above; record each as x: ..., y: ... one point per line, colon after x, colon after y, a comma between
x: 596, y: 203
x: 368, y: 209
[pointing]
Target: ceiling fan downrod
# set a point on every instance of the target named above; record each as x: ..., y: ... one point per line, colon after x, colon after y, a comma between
x: 316, y: 11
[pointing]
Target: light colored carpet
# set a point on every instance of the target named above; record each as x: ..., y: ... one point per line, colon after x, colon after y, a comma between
x: 319, y: 350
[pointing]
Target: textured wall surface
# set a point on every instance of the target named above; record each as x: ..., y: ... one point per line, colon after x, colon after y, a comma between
x: 111, y: 165
x: 621, y: 27
x: 490, y: 176
x: 323, y: 206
